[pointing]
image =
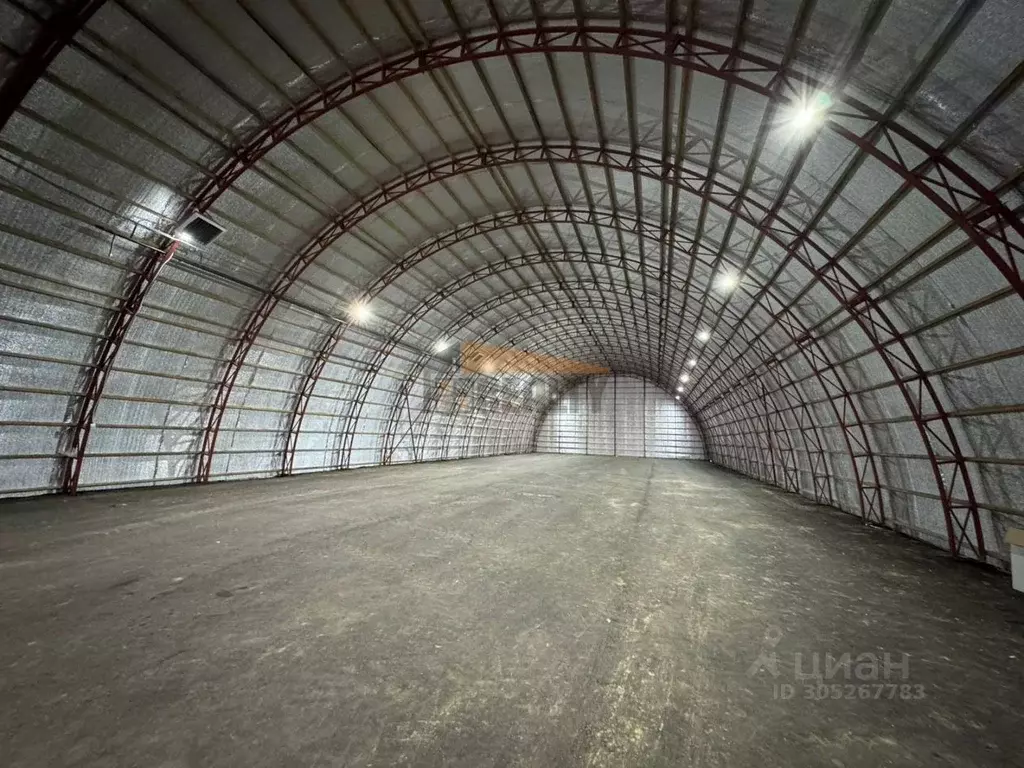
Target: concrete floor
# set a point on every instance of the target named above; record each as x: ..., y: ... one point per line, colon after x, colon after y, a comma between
x: 536, y: 610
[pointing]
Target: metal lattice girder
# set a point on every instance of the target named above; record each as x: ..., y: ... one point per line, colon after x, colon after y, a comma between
x: 424, y: 251
x: 357, y: 402
x: 693, y: 180
x: 936, y: 177
x: 976, y: 209
x: 567, y: 329
x: 452, y: 288
x: 950, y: 187
x: 497, y: 222
x: 477, y: 311
x: 539, y: 330
x: 118, y: 326
x: 54, y: 34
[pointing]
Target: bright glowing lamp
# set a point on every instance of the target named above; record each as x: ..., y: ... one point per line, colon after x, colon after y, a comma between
x: 806, y: 115
x: 360, y: 312
x: 727, y: 281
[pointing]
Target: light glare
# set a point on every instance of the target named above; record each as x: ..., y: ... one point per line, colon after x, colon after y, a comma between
x: 685, y: 378
x: 442, y: 345
x: 727, y: 281
x: 704, y: 337
x: 691, y: 363
x: 806, y: 115
x: 360, y: 312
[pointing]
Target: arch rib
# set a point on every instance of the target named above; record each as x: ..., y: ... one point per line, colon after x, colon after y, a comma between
x: 693, y: 181
x: 353, y: 416
x: 499, y: 221
x: 55, y: 34
x: 976, y: 209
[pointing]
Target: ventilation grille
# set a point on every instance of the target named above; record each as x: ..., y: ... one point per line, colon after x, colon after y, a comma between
x: 200, y: 230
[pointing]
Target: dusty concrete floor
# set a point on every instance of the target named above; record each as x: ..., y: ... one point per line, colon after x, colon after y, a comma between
x: 539, y: 610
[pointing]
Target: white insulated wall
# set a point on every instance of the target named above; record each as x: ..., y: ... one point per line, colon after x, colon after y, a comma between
x: 619, y: 416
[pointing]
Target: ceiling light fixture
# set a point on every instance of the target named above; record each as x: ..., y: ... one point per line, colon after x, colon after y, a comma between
x: 727, y: 281
x: 360, y: 312
x: 691, y: 363
x: 441, y: 345
x: 685, y: 378
x: 704, y: 337
x: 806, y: 115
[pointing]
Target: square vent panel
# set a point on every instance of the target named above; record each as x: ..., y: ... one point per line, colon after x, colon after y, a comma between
x: 200, y: 231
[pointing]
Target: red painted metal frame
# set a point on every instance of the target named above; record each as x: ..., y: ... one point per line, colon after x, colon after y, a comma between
x: 436, y: 245
x: 426, y: 250
x: 568, y: 329
x: 951, y: 188
x: 571, y: 331
x: 694, y: 181
x: 128, y: 308
x: 832, y: 275
x: 548, y: 257
x: 821, y: 491
x: 415, y: 372
x: 56, y: 32
x: 536, y: 331
x: 944, y: 194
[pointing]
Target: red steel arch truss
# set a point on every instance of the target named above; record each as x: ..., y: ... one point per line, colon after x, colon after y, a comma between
x: 978, y: 211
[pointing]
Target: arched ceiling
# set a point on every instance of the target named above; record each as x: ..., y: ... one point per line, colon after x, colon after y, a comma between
x: 803, y: 216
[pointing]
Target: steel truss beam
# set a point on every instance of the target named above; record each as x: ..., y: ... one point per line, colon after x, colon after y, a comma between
x: 448, y: 292
x: 570, y: 348
x: 566, y: 326
x: 332, y: 339
x: 569, y: 330
x: 431, y: 247
x: 117, y: 328
x: 692, y: 180
x: 945, y: 183
x: 497, y: 222
x: 821, y: 488
x: 961, y: 511
x: 54, y: 34
x: 951, y: 188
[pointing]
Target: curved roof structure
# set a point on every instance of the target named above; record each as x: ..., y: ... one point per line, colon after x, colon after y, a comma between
x: 803, y: 215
